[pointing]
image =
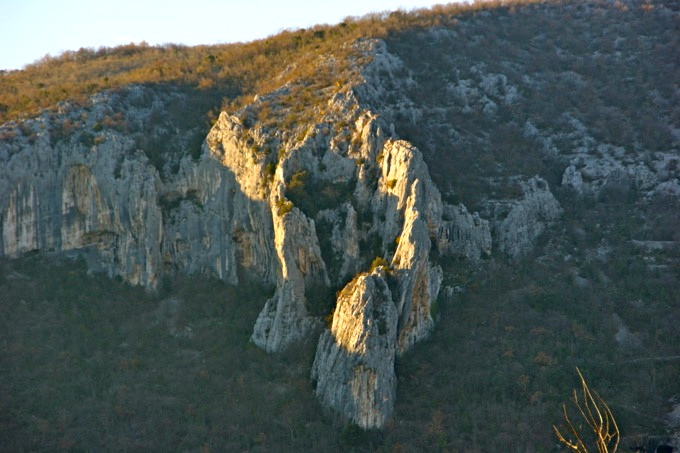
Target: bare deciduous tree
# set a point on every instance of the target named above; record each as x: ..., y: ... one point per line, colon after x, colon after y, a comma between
x: 598, y: 418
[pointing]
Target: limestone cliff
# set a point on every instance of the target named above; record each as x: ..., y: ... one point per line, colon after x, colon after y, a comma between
x: 477, y: 160
x: 107, y: 200
x: 284, y: 317
x: 463, y: 234
x: 354, y: 363
x: 306, y: 207
x: 518, y: 222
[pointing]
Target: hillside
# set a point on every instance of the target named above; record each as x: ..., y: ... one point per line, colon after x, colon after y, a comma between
x: 437, y: 216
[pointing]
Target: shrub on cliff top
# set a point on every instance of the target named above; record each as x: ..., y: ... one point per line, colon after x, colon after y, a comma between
x: 380, y: 262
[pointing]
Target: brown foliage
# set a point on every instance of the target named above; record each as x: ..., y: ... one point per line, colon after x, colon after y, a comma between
x: 238, y: 70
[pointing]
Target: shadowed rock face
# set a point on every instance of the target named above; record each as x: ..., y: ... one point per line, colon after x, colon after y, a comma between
x: 517, y: 223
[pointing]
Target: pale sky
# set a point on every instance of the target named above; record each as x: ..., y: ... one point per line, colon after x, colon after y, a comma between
x: 31, y: 29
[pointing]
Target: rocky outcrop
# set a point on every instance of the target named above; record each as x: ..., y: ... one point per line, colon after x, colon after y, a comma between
x: 612, y: 171
x: 105, y: 198
x: 354, y: 364
x: 345, y: 256
x: 102, y: 199
x: 306, y: 208
x: 284, y: 317
x: 372, y: 324
x: 418, y: 280
x: 517, y: 223
x: 463, y: 234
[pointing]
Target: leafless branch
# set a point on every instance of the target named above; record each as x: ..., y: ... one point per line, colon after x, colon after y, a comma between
x: 598, y: 418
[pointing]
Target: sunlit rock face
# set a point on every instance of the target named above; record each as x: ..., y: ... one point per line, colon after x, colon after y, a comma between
x: 354, y: 364
x: 284, y: 318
